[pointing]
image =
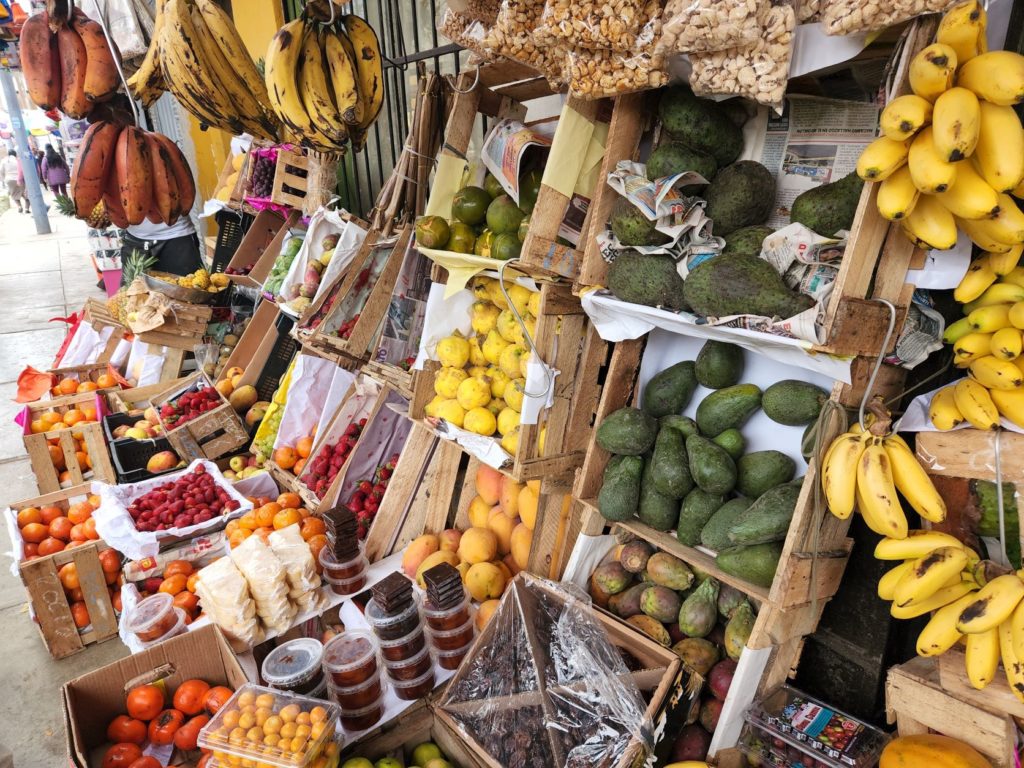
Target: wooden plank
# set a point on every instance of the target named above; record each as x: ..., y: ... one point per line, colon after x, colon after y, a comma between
x: 970, y: 453
x: 996, y: 696
x: 51, y: 607
x: 94, y: 592
x: 459, y: 130
x: 547, y: 550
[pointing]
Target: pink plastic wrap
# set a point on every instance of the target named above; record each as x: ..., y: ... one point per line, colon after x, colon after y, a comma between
x: 545, y: 686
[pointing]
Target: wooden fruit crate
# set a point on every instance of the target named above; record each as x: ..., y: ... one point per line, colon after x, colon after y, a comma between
x: 83, y: 373
x: 183, y: 329
x: 414, y: 726
x: 46, y: 595
x: 567, y: 342
x: 264, y: 350
x: 211, y: 435
x: 124, y: 400
x: 916, y: 703
x: 376, y: 264
x: 264, y: 231
x: 996, y: 697
x: 91, y: 434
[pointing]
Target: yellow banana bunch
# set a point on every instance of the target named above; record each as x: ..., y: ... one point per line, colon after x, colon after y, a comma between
x: 943, y: 411
x: 957, y: 330
x: 963, y: 30
x: 940, y: 568
x: 940, y: 633
x: 917, y: 543
x: 982, y: 657
x: 1013, y: 663
x: 881, y: 158
x: 993, y: 604
x: 1006, y: 343
x: 1004, y: 264
x: 975, y: 404
x: 993, y: 373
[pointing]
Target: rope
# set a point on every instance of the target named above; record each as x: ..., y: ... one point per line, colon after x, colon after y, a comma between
x: 878, y: 361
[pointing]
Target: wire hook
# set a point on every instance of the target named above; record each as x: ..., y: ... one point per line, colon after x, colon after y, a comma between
x: 117, y: 58
x: 878, y: 361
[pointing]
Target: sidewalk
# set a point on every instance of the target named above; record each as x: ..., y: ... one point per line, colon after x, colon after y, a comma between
x: 41, y: 276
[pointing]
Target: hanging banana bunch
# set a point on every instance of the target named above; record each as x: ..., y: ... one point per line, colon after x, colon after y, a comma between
x: 197, y: 54
x: 951, y: 153
x: 864, y: 468
x: 325, y: 82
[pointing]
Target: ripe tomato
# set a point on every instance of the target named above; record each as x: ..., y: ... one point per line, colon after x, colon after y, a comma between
x: 189, y: 696
x: 147, y: 761
x: 163, y: 727
x: 110, y: 561
x: 126, y: 729
x: 121, y: 756
x: 187, y: 735
x: 216, y: 698
x: 145, y: 702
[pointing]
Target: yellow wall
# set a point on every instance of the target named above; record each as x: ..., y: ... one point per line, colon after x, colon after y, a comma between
x: 257, y: 22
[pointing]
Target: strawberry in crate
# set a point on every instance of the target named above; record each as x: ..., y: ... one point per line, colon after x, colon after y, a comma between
x: 189, y: 406
x: 366, y: 498
x: 345, y: 331
x: 320, y: 473
x: 190, y: 499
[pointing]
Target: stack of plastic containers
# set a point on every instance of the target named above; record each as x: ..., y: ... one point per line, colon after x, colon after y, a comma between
x: 155, y: 619
x: 354, y: 679
x: 343, y: 560
x: 296, y: 667
x: 450, y: 626
x: 394, y: 615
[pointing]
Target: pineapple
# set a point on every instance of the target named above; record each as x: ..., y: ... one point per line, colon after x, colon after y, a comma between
x: 132, y: 267
x: 97, y: 218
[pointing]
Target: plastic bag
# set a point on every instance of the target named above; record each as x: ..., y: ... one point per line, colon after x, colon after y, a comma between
x: 224, y: 597
x: 512, y: 37
x: 292, y: 550
x: 588, y: 711
x: 611, y: 26
x: 759, y: 71
x: 462, y: 29
x: 845, y: 17
x: 700, y: 26
x: 595, y: 74
x: 268, y: 583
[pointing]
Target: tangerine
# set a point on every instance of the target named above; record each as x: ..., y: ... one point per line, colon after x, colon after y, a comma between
x: 174, y: 584
x: 263, y: 534
x: 64, y: 478
x: 94, y: 501
x: 68, y: 575
x: 299, y: 466
x: 90, y: 528
x: 56, y: 456
x: 248, y: 521
x: 106, y: 380
x: 312, y: 526
x: 239, y: 536
x: 67, y: 386
x: 34, y: 533
x: 264, y: 516
x: 50, y: 418
x: 89, y: 411
x: 87, y: 386
x: 49, y: 546
x: 110, y: 561
x: 80, y: 512
x: 73, y: 416
x: 286, y: 517
x: 304, y: 447
x: 50, y: 514
x: 231, y: 527
x: 37, y: 426
x: 60, y: 528
x: 274, y: 507
x: 83, y: 460
x: 315, y: 545
x: 75, y: 594
x: 190, y: 585
x: 29, y: 515
x: 78, y: 533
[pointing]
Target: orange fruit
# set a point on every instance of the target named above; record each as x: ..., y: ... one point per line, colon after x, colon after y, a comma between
x: 37, y: 426
x: 187, y: 601
x: 60, y: 528
x: 80, y: 512
x: 285, y: 457
x: 29, y: 515
x: 239, y: 536
x: 68, y: 575
x: 174, y: 584
x: 50, y: 418
x: 263, y: 534
x: 90, y: 528
x: 105, y: 381
x: 80, y: 614
x: 289, y: 501
x: 49, y: 546
x: 304, y: 447
x: 231, y: 527
x: 67, y: 386
x: 72, y: 416
x: 49, y: 514
x: 248, y: 521
x: 264, y: 516
x: 286, y: 517
x: 274, y: 507
x: 87, y: 386
x: 190, y: 585
x: 30, y: 550
x: 64, y: 478
x: 34, y: 533
x: 78, y: 533
x: 89, y: 411
x: 94, y: 501
x: 315, y: 545
x: 56, y: 456
x: 110, y: 561
x: 299, y: 466
x: 312, y: 526
x: 83, y: 459
x: 304, y: 513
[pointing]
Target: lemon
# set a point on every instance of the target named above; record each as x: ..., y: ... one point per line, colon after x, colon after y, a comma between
x: 453, y: 351
x: 496, y: 406
x: 474, y: 392
x: 430, y: 409
x: 508, y: 420
x: 520, y: 297
x: 451, y: 411
x: 524, y: 361
x: 483, y: 317
x: 506, y: 325
x: 476, y: 354
x: 510, y: 442
x: 447, y: 381
x: 514, y: 394
x: 509, y: 360
x: 533, y: 305
x: 492, y: 347
x: 499, y: 379
x: 481, y: 421
x: 478, y: 370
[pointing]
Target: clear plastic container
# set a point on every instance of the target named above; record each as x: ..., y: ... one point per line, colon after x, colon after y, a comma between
x: 404, y: 647
x: 410, y: 668
x: 393, y: 627
x: 452, y: 639
x: 452, y: 618
x: 177, y: 629
x: 153, y: 617
x: 295, y: 666
x: 347, y: 569
x: 350, y: 658
x: 452, y: 659
x: 417, y: 688
x: 361, y: 719
x: 346, y: 586
x: 359, y: 696
x: 301, y: 750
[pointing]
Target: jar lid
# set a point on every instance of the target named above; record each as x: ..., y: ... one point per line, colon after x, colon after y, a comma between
x: 410, y: 662
x: 349, y: 650
x: 378, y: 620
x: 293, y: 662
x: 401, y: 640
x: 456, y: 652
x: 350, y: 689
x: 429, y: 674
x: 149, y: 611
x: 351, y: 713
x: 444, y: 633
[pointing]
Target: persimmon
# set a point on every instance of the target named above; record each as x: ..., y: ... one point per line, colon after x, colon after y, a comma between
x: 121, y: 755
x: 124, y: 729
x: 80, y: 512
x: 50, y: 546
x: 60, y: 528
x: 190, y: 695
x: 67, y: 386
x: 29, y: 515
x: 50, y: 514
x: 286, y: 517
x: 144, y: 702
x: 176, y: 567
x: 193, y: 579
x: 34, y: 532
x: 163, y: 727
x: 174, y: 584
x: 216, y: 698
x: 187, y: 601
x: 110, y: 561
x: 90, y: 529
x: 68, y: 575
x: 30, y: 550
x: 87, y: 386
x: 73, y: 416
x: 188, y: 734
x: 312, y: 526
x: 80, y: 614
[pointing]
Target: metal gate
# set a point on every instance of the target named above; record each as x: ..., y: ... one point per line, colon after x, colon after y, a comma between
x: 408, y: 36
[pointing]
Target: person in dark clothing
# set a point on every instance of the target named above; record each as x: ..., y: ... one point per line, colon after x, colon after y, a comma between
x: 175, y: 247
x: 55, y: 172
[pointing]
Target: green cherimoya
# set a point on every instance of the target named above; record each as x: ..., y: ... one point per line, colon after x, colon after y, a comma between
x: 741, y: 195
x: 830, y: 207
x: 649, y: 279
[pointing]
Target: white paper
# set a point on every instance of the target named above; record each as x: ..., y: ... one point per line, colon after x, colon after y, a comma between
x: 145, y: 363
x: 915, y: 419
x: 617, y: 320
x: 322, y: 224
x: 259, y: 484
x: 86, y: 345
x: 17, y: 543
x: 813, y: 50
x: 382, y: 437
x: 312, y: 384
x: 943, y: 270
x: 340, y: 385
x: 115, y: 525
x: 487, y: 449
x: 442, y: 318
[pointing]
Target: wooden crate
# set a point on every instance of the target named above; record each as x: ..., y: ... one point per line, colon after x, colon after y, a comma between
x: 291, y: 178
x: 182, y: 329
x: 377, y: 264
x: 416, y: 725
x: 567, y: 342
x: 995, y: 697
x: 263, y: 352
x: 37, y: 446
x: 46, y: 595
x: 211, y: 435
x: 256, y: 244
x: 916, y: 703
x: 136, y: 398
x: 83, y: 373
x: 238, y: 188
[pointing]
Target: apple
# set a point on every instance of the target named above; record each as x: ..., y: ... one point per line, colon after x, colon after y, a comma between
x: 237, y: 463
x: 255, y: 414
x: 228, y: 474
x: 136, y: 434
x: 151, y: 415
x: 121, y: 431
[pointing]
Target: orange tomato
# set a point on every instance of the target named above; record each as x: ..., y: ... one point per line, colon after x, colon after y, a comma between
x: 190, y: 695
x: 126, y: 729
x: 190, y: 585
x: 304, y: 447
x: 60, y: 528
x: 50, y: 514
x: 49, y: 546
x: 289, y: 500
x: 312, y: 526
x: 110, y: 561
x: 34, y: 533
x: 285, y: 457
x: 216, y: 698
x: 72, y: 416
x: 174, y: 584
x: 80, y: 614
x: 121, y: 756
x: 144, y: 702
x: 187, y: 601
x: 80, y: 512
x: 163, y: 727
x: 29, y: 515
x: 175, y: 567
x: 68, y: 575
x: 286, y: 517
x: 87, y: 386
x: 67, y: 386
x: 90, y: 529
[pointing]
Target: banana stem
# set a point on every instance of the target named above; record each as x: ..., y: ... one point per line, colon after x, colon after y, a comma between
x: 882, y: 425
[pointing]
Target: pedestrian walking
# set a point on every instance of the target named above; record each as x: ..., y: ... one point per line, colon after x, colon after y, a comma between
x: 10, y: 169
x: 55, y: 172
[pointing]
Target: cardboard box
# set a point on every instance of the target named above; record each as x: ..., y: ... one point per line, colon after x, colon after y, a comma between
x: 94, y: 699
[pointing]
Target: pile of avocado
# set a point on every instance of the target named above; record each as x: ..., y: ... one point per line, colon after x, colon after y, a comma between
x: 485, y: 220
x: 694, y: 475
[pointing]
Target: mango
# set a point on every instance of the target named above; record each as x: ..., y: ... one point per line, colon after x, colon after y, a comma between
x: 478, y: 545
x: 419, y: 549
x: 511, y: 564
x: 505, y: 570
x: 652, y: 628
x: 488, y: 484
x: 528, y: 503
x: 698, y: 654
x: 510, y: 491
x: 484, y: 613
x: 479, y: 511
x: 435, y: 559
x: 485, y: 581
x: 522, y: 540
x: 501, y: 525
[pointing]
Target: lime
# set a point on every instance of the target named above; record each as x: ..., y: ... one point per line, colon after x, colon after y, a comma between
x: 462, y: 239
x: 524, y: 228
x: 470, y: 205
x: 432, y: 232
x: 506, y: 246
x: 503, y: 215
x: 529, y: 188
x: 493, y: 186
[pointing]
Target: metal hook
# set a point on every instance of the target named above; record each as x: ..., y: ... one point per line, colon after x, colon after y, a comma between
x: 548, y: 378
x: 999, y: 495
x: 878, y: 362
x: 333, y: 12
x: 476, y: 80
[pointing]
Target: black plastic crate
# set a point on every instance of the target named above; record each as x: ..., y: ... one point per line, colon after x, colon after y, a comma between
x: 130, y: 457
x: 114, y: 420
x: 280, y: 357
x: 231, y: 228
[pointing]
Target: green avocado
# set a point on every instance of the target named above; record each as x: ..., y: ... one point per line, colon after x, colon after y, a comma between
x: 711, y: 467
x: 719, y: 364
x: 727, y: 408
x: 760, y: 471
x: 670, y: 471
x: 670, y: 390
x: 715, y: 534
x: 619, y: 496
x: 627, y: 432
x: 651, y: 280
x: 696, y: 510
x: 656, y: 509
x: 793, y: 402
